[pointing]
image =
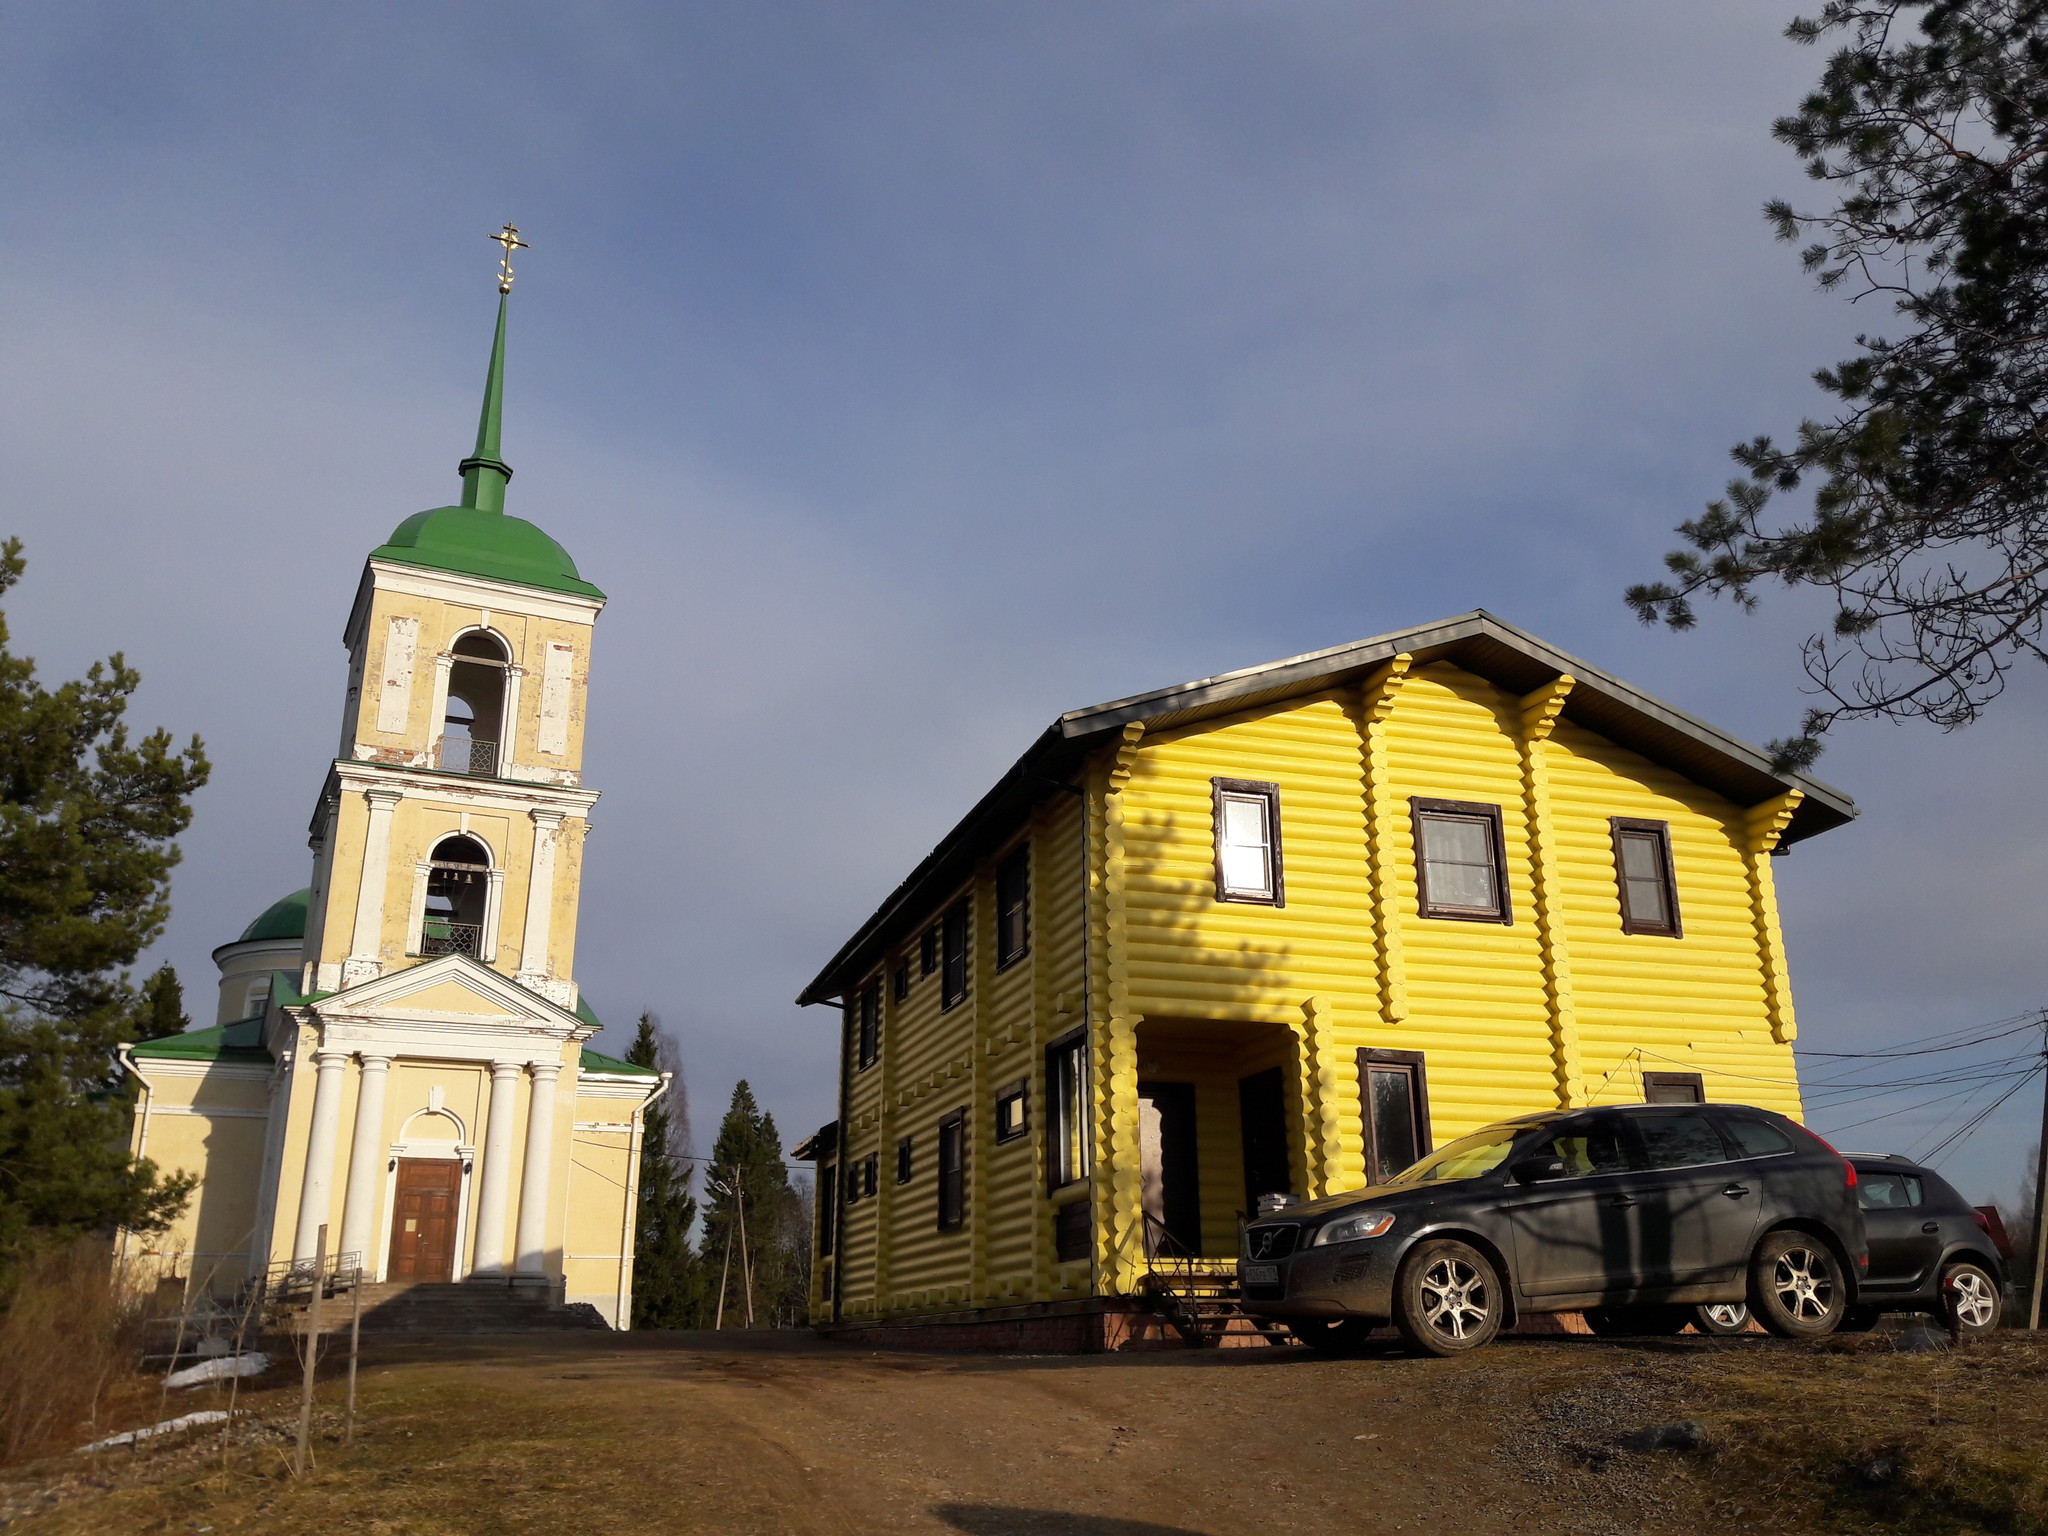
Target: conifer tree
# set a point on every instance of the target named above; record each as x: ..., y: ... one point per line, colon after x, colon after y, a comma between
x: 748, y: 1186
x: 87, y: 819
x: 666, y: 1283
x: 1928, y: 484
x: 161, y: 1013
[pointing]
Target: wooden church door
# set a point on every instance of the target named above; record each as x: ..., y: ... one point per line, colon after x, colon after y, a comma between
x: 423, y: 1219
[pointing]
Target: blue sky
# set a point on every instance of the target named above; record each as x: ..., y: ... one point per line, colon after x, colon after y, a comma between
x: 909, y: 373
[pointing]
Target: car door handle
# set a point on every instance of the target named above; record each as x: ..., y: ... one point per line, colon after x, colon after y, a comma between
x: 1621, y: 1199
x: 1736, y: 1191
x: 1930, y: 1226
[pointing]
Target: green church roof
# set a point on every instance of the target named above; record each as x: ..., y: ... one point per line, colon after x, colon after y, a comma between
x: 477, y: 538
x: 489, y: 544
x: 594, y: 1062
x: 283, y: 919
x: 240, y: 1041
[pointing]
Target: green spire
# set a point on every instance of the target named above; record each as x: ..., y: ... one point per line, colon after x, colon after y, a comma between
x: 483, y: 473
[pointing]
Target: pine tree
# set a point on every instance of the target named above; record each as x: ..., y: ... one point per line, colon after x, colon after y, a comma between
x: 162, y: 1010
x: 87, y: 819
x: 749, y: 1190
x: 666, y: 1282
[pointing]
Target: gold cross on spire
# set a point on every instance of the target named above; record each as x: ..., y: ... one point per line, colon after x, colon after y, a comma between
x: 508, y: 238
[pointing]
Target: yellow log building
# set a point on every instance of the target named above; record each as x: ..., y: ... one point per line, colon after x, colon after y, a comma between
x: 399, y: 1053
x: 1279, y: 931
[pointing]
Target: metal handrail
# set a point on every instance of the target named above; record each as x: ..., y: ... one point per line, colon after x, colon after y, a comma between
x: 445, y: 938
x: 467, y: 754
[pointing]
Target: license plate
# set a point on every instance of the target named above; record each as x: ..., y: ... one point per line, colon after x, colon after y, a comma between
x: 1260, y: 1274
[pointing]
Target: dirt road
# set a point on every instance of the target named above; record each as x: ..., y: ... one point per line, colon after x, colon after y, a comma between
x: 687, y: 1433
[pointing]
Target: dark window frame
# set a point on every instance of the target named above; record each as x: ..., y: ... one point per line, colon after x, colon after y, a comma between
x: 1418, y: 1079
x: 899, y: 981
x: 870, y: 1175
x: 1073, y: 1232
x: 868, y: 1032
x: 1013, y: 907
x: 1268, y: 791
x: 1695, y: 1081
x: 952, y: 1182
x: 1660, y: 832
x: 928, y: 950
x: 905, y: 1159
x: 957, y: 923
x: 1019, y: 1093
x: 1075, y: 1043
x: 1420, y: 808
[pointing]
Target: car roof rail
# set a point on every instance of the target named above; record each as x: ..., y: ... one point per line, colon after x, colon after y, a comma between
x: 1885, y: 1157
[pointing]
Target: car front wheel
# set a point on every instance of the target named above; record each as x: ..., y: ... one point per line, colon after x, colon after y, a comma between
x: 1972, y: 1299
x: 1795, y: 1286
x: 1448, y: 1298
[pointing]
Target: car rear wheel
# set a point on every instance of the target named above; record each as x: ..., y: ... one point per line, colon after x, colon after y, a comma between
x: 1343, y: 1336
x: 1636, y: 1322
x: 1448, y: 1298
x: 1795, y: 1286
x: 1972, y: 1299
x: 1726, y: 1318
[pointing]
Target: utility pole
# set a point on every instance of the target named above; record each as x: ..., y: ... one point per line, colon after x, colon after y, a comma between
x: 746, y: 1264
x: 312, y: 1351
x: 2040, y: 1264
x: 724, y: 1270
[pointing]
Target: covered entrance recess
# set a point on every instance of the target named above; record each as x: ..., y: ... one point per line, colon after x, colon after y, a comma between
x: 423, y: 1215
x: 1219, y: 1118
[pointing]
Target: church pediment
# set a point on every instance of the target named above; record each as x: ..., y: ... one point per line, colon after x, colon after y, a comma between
x: 454, y: 991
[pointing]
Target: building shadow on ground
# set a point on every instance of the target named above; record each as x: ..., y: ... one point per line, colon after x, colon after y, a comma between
x: 1007, y: 1520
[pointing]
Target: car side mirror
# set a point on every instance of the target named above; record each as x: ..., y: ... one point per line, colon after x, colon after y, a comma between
x: 1531, y: 1170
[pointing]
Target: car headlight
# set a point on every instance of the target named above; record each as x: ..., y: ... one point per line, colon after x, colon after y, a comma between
x: 1352, y: 1228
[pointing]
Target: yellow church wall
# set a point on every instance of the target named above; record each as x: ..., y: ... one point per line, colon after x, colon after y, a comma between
x: 208, y: 1119
x: 438, y: 621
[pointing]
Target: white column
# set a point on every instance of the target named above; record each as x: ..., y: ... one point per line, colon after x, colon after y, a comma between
x: 366, y: 1152
x: 535, y: 1178
x: 540, y: 898
x: 366, y: 949
x: 494, y: 1188
x: 314, y: 1192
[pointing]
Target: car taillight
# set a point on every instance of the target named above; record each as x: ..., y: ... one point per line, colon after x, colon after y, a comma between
x: 1848, y: 1168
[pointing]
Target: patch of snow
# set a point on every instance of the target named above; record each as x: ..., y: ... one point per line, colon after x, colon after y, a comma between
x: 168, y: 1427
x: 251, y: 1364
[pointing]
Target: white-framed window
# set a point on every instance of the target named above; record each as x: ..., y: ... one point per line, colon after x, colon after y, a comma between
x: 1247, y: 818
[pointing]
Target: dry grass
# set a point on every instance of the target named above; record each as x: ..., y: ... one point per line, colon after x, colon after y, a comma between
x: 70, y: 1343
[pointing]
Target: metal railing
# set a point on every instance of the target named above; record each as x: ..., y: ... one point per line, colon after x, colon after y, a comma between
x: 291, y: 1280
x: 441, y: 938
x: 466, y: 754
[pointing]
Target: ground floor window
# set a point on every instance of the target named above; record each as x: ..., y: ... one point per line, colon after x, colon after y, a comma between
x: 1072, y: 1232
x: 1673, y: 1088
x: 953, y: 1170
x: 1395, y: 1096
x: 1066, y: 1104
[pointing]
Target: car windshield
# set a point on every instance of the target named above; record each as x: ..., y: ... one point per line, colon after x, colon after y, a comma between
x: 1481, y: 1152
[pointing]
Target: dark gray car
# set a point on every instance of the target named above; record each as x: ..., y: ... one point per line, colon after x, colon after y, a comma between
x: 1929, y: 1249
x: 1633, y: 1215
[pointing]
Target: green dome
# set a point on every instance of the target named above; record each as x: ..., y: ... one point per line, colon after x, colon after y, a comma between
x: 476, y: 542
x: 284, y: 919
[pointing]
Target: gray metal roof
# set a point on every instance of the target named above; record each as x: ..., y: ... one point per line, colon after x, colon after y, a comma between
x: 1476, y: 641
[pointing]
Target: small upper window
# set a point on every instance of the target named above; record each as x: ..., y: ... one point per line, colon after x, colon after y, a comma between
x: 953, y: 984
x: 869, y: 1175
x: 869, y: 1045
x: 1247, y: 821
x: 953, y: 1171
x: 1674, y: 1088
x: 928, y: 951
x: 903, y: 1160
x: 1011, y: 1121
x: 1013, y: 903
x: 1642, y: 870
x: 1460, y: 860
x: 899, y: 981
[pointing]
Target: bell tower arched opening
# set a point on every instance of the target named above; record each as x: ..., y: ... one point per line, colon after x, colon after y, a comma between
x: 458, y: 898
x: 472, y: 728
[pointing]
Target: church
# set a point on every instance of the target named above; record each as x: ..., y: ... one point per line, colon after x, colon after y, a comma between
x: 400, y: 1051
